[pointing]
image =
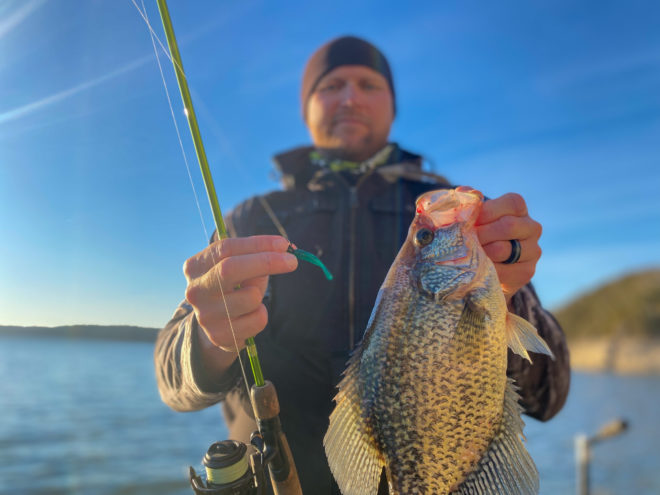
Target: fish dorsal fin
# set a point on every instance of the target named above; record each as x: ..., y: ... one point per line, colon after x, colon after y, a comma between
x: 522, y: 337
x: 354, y: 460
x: 506, y: 468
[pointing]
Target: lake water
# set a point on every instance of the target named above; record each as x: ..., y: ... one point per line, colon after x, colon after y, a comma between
x: 84, y: 417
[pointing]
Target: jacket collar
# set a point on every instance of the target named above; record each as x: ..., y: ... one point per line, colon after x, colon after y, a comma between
x: 296, y: 169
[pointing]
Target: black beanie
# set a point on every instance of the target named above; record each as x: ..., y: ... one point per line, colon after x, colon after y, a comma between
x: 347, y: 50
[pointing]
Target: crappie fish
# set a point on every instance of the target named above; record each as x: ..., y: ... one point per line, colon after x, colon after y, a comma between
x: 426, y: 395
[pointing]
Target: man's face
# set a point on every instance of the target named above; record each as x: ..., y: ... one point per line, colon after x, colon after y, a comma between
x: 350, y: 111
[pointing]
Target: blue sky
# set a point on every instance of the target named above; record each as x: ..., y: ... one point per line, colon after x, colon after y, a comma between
x: 556, y: 100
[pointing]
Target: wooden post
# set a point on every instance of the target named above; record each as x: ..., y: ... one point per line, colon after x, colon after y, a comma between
x: 582, y: 455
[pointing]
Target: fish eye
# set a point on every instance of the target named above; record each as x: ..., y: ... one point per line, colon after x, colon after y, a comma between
x: 423, y: 237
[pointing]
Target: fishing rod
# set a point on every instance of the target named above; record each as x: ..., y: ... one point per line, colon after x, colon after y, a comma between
x: 229, y: 470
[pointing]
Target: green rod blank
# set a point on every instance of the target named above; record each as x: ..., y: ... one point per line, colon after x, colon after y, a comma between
x: 192, y: 119
x: 201, y: 158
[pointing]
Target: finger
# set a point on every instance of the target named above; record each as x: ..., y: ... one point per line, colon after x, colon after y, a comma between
x: 260, y: 283
x: 513, y: 277
x: 500, y: 251
x: 250, y: 269
x: 243, y: 327
x: 203, y: 261
x: 509, y: 204
x: 509, y: 227
x: 235, y: 270
x: 211, y: 310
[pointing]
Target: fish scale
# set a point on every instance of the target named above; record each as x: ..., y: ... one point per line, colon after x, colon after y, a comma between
x: 425, y: 396
x: 442, y: 369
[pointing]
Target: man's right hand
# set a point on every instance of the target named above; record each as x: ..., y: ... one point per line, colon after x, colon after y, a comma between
x: 239, y: 269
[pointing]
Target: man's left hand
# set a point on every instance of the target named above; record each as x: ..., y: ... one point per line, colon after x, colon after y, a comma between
x: 501, y: 220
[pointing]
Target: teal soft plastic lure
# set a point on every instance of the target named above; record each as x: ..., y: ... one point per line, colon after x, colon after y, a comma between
x: 303, y: 255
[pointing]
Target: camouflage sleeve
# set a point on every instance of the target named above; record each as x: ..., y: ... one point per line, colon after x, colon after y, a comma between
x: 183, y: 383
x: 544, y: 383
x: 178, y: 373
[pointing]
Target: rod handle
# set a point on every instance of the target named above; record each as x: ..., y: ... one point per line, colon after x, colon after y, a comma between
x: 267, y: 407
x: 291, y: 485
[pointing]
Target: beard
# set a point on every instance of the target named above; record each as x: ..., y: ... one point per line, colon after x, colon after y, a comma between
x: 351, y: 148
x: 349, y: 135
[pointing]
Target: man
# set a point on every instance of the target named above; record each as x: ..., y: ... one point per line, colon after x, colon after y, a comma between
x: 349, y: 199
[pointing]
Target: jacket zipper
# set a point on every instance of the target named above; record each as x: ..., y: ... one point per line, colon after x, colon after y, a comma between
x: 351, y: 264
x: 352, y: 273
x: 352, y: 284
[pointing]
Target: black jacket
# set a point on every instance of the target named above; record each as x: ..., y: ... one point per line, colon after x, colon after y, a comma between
x: 356, y: 224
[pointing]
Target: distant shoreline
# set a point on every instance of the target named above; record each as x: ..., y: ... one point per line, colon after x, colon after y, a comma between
x: 96, y: 332
x: 625, y: 355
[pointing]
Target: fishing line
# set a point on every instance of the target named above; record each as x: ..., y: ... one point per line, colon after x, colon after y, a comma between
x: 154, y: 35
x: 176, y: 125
x: 273, y: 218
x: 183, y: 152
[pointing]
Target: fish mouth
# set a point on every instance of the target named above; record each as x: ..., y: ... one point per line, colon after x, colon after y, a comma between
x: 453, y: 262
x: 445, y: 207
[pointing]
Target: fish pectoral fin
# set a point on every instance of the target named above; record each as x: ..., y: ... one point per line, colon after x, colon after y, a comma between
x: 354, y: 460
x: 473, y: 318
x: 506, y: 467
x: 522, y: 337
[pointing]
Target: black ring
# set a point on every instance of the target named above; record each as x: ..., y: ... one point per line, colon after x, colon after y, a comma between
x: 516, y: 249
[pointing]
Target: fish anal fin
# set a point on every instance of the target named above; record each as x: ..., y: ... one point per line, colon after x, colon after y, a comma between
x: 354, y: 460
x: 522, y: 337
x: 506, y: 468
